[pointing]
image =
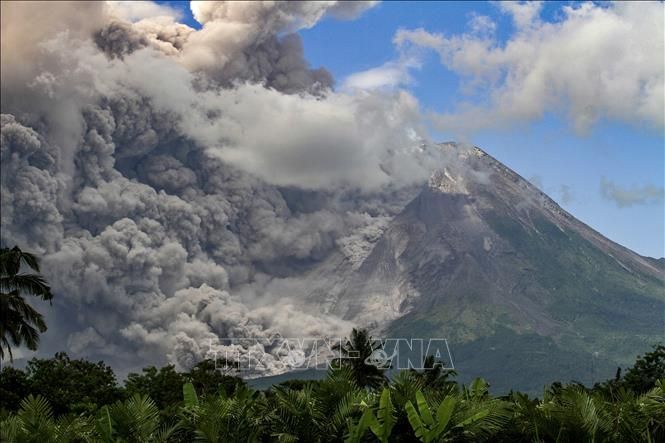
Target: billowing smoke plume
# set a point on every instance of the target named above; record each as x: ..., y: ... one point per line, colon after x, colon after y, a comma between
x: 181, y: 184
x: 238, y: 41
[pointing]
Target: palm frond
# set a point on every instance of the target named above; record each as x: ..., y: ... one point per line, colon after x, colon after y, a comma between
x: 10, y: 428
x: 19, y: 322
x: 31, y: 284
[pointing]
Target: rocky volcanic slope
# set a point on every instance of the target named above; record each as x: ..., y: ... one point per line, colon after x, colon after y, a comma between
x: 524, y: 292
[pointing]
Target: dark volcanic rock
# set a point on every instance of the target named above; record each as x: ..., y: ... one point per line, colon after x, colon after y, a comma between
x: 485, y: 259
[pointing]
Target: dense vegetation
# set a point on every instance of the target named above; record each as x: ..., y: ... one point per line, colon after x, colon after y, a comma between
x: 67, y: 400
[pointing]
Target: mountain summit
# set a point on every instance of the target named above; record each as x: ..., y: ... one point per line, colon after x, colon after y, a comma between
x: 520, y: 288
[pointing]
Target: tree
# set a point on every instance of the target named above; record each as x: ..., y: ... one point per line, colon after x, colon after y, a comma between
x: 35, y: 422
x: 355, y: 354
x: 381, y: 424
x: 647, y: 370
x: 162, y: 385
x: 338, y: 409
x: 14, y: 387
x: 219, y: 418
x: 426, y: 426
x: 341, y: 399
x: 72, y: 385
x: 20, y: 323
x: 208, y: 379
x: 434, y: 375
x: 472, y: 415
x: 136, y: 419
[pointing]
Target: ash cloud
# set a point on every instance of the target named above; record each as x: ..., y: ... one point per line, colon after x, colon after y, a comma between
x: 181, y: 185
x: 119, y: 38
x: 238, y: 41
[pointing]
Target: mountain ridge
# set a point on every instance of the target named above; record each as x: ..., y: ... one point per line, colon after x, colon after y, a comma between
x: 479, y: 254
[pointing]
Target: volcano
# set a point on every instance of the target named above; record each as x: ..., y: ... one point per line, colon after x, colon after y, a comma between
x: 523, y: 291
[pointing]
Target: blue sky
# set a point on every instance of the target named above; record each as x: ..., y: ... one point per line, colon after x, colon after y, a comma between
x: 568, y: 165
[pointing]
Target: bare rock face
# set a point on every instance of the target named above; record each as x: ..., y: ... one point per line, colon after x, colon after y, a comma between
x: 485, y: 259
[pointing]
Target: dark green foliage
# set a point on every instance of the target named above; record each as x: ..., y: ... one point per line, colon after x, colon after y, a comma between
x: 295, y: 385
x: 337, y: 409
x: 72, y: 385
x: 162, y: 385
x: 356, y: 351
x: 434, y: 375
x: 208, y: 379
x: 639, y: 378
x: 426, y: 406
x: 218, y: 418
x: 646, y: 371
x: 14, y: 387
x: 20, y: 323
x: 137, y: 419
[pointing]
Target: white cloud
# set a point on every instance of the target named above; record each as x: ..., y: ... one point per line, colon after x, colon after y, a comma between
x: 277, y: 16
x: 596, y: 62
x: 351, y: 9
x: 524, y: 13
x: 387, y: 76
x: 637, y: 195
x: 482, y: 24
x: 138, y: 10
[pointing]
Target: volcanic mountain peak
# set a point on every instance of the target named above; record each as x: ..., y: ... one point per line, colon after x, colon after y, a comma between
x: 482, y: 257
